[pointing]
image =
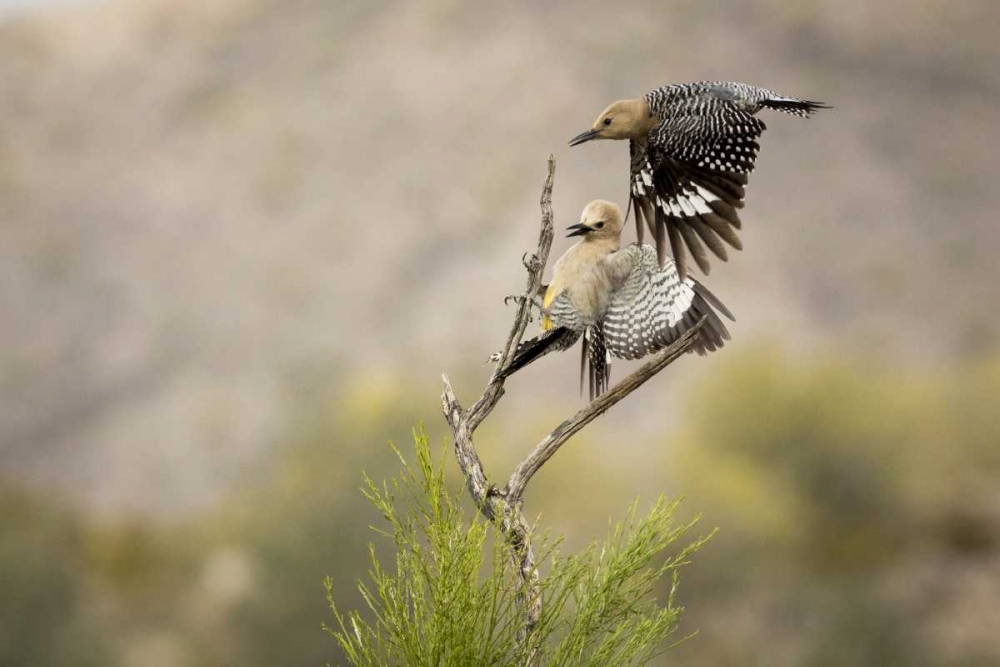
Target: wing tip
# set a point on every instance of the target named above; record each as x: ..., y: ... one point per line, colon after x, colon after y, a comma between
x: 712, y: 300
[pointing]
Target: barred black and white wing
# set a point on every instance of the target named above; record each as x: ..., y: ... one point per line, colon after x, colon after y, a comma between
x: 562, y: 313
x: 697, y: 168
x: 697, y: 161
x: 654, y: 307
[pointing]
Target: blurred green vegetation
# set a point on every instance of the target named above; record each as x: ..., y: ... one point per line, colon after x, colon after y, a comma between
x: 43, y: 617
x: 857, y: 505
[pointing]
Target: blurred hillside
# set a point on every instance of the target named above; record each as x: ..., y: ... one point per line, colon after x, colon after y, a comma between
x: 208, y: 205
x: 241, y: 239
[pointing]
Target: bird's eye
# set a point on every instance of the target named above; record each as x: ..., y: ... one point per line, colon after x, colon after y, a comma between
x: 599, y: 225
x: 607, y: 121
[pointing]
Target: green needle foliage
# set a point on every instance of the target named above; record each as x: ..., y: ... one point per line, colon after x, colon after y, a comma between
x: 451, y: 596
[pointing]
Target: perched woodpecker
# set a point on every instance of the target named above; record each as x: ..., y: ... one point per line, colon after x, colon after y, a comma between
x: 692, y: 146
x: 619, y: 300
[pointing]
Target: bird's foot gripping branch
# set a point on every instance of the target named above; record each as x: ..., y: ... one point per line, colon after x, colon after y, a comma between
x: 503, y: 504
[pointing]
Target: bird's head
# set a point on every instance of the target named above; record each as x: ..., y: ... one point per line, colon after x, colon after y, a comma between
x: 600, y: 220
x: 625, y: 119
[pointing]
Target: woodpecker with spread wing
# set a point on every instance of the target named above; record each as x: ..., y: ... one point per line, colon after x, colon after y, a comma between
x: 619, y: 300
x: 692, y: 145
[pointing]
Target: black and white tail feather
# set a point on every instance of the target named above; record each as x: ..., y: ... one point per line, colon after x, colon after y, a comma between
x: 792, y: 105
x: 689, y: 175
x: 553, y: 340
x: 649, y: 312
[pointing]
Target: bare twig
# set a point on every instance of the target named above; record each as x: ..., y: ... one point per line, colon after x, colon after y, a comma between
x: 504, y: 505
x: 544, y: 450
x: 464, y: 423
x: 535, y: 264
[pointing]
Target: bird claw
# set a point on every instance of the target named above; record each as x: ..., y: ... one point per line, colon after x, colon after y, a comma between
x: 494, y: 358
x: 533, y: 302
x: 516, y: 298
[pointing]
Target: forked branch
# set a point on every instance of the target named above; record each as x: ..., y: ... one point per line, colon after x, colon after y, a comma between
x: 503, y: 505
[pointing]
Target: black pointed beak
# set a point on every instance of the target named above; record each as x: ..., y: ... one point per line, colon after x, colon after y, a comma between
x: 584, y: 137
x: 579, y: 229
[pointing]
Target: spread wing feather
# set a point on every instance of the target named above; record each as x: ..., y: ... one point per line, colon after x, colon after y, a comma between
x: 654, y: 307
x: 694, y: 164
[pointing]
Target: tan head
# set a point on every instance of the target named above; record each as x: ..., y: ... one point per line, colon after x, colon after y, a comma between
x: 600, y: 220
x: 625, y: 119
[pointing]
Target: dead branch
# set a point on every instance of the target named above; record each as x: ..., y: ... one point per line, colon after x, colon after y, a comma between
x: 551, y: 443
x: 504, y: 505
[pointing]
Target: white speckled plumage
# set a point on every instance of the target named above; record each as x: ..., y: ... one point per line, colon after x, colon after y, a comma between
x: 620, y: 300
x: 692, y: 147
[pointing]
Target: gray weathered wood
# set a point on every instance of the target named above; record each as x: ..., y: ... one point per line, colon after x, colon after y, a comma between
x: 503, y: 505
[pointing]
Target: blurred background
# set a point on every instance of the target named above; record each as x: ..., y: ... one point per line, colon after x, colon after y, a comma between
x: 240, y: 240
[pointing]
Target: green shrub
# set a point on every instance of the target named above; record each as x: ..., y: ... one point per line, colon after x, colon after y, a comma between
x: 450, y: 594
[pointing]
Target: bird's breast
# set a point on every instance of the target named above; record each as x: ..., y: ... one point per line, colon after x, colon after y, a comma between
x: 590, y: 295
